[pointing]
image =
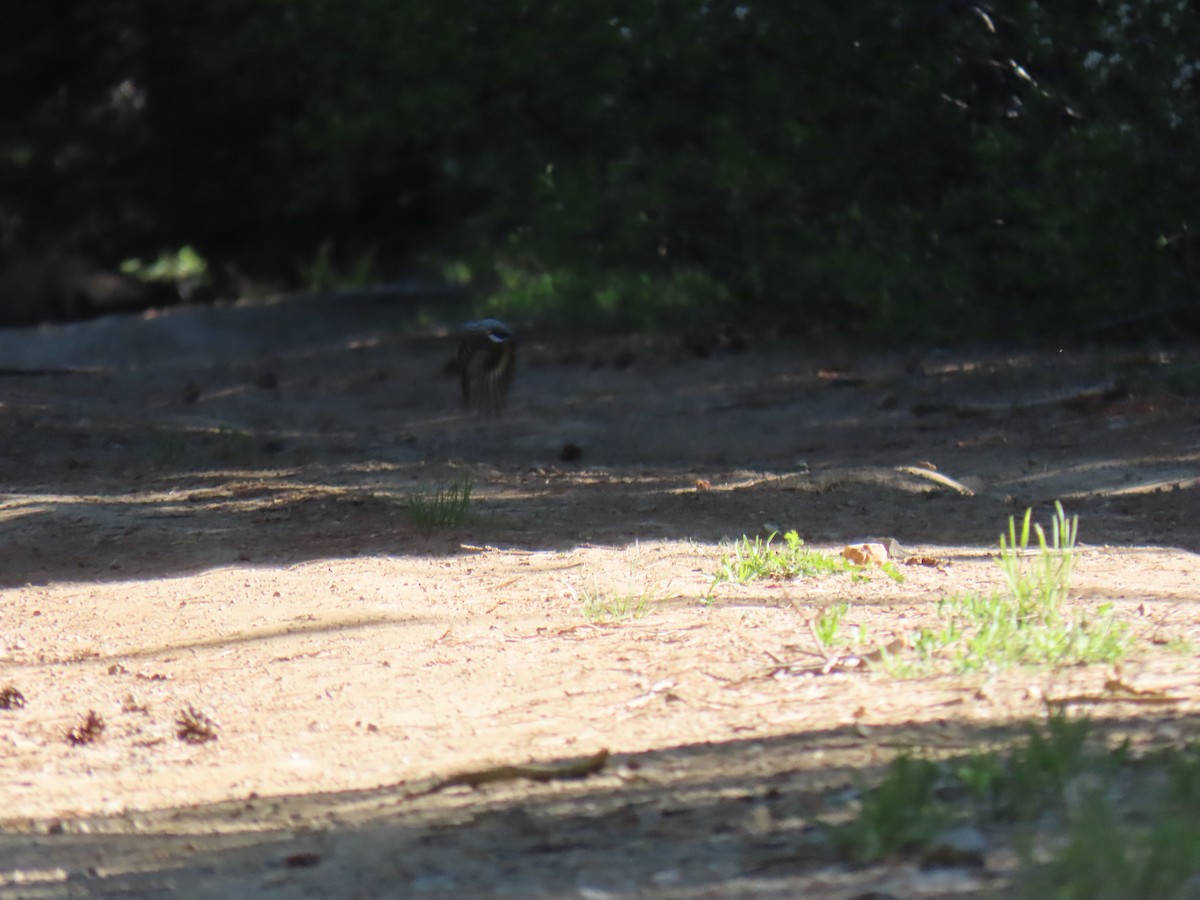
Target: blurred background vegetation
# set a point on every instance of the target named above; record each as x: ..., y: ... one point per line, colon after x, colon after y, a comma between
x: 932, y: 170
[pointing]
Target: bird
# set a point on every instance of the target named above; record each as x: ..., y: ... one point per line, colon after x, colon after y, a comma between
x: 487, y: 360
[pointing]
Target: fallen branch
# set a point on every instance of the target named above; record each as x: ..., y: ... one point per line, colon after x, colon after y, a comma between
x: 475, y: 778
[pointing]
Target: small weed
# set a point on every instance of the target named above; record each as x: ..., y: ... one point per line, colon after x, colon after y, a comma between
x: 1129, y: 826
x: 829, y: 622
x: 749, y: 560
x: 446, y: 507
x: 982, y: 774
x: 1039, y: 586
x: 619, y: 607
x: 899, y: 814
x: 1025, y: 624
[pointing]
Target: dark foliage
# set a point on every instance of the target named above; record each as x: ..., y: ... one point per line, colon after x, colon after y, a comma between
x: 930, y: 169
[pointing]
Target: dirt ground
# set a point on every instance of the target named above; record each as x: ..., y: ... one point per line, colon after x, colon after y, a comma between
x: 208, y: 509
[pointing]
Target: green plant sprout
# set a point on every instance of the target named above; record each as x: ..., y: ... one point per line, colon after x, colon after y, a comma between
x: 447, y: 507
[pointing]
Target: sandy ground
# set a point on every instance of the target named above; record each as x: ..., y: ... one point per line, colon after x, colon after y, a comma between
x: 208, y: 510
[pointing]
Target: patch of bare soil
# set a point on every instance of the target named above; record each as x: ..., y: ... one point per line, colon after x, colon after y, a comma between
x: 236, y: 666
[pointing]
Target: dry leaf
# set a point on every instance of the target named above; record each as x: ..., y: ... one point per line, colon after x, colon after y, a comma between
x: 931, y: 561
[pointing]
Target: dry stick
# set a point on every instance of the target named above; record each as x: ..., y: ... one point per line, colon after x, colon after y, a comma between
x: 937, y: 478
x: 474, y: 778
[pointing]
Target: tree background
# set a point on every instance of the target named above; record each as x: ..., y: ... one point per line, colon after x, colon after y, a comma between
x: 936, y: 170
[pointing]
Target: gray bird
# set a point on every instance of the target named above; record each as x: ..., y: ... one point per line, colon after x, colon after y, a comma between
x: 487, y: 360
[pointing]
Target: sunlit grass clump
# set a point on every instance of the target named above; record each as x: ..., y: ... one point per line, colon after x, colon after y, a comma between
x: 749, y: 560
x: 600, y: 607
x: 1025, y: 623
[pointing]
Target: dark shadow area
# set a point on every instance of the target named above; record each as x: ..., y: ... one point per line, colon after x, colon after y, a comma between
x: 736, y: 817
x: 115, y: 539
x: 251, y: 436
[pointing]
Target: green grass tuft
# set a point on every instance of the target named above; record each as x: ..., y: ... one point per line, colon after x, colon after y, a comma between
x: 600, y: 607
x: 748, y: 560
x: 447, y: 507
x: 899, y: 814
x: 829, y: 622
x: 1038, y: 585
x: 1093, y: 822
x: 1026, y: 623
